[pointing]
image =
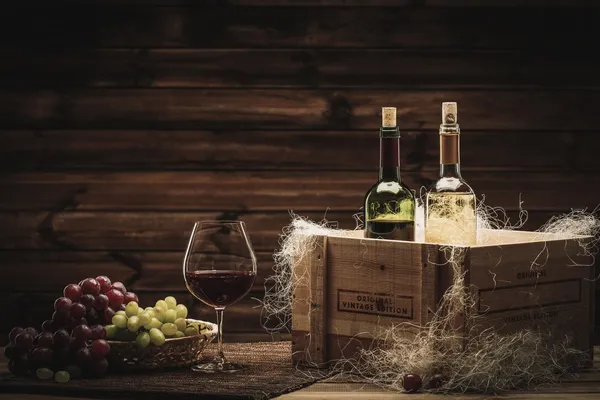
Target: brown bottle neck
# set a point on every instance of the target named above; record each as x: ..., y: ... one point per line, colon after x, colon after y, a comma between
x: 449, y: 150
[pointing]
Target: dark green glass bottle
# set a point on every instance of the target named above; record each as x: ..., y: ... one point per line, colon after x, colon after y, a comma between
x: 389, y: 204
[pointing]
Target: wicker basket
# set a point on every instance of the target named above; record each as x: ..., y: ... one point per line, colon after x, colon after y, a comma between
x: 175, y: 353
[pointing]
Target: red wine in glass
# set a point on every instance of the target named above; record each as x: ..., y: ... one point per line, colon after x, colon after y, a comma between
x: 219, y: 268
x: 219, y: 288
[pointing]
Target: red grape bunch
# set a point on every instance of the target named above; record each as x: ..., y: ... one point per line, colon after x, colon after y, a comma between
x: 72, y: 343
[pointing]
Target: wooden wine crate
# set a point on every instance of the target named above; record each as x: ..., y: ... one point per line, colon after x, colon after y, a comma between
x: 350, y: 288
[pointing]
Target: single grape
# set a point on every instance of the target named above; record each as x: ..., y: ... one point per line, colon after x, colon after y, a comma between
x: 72, y: 292
x: 45, y: 339
x: 91, y: 286
x: 41, y: 357
x: 132, y: 309
x: 93, y: 317
x: 109, y: 313
x: 120, y: 287
x: 24, y: 340
x: 115, y: 298
x: 154, y: 323
x: 98, y: 332
x: 13, y: 333
x: 411, y: 383
x: 179, y: 334
x: 80, y: 321
x: 142, y: 340
x: 77, y: 310
x: 182, y: 311
x: 63, y: 304
x: 130, y: 296
x: 97, y: 368
x: 74, y: 371
x: 162, y: 304
x: 168, y: 329
x: 105, y: 283
x: 83, y: 356
x: 144, y: 318
x: 191, y: 331
x: 101, y: 302
x: 100, y: 348
x: 148, y: 308
x: 161, y: 313
x: 121, y: 312
x: 171, y: 302
x: 88, y: 301
x: 61, y: 338
x: 111, y: 331
x: 180, y: 324
x: 44, y: 373
x: 133, y: 323
x: 75, y: 344
x: 71, y: 324
x: 48, y: 326
x: 82, y: 332
x: 20, y: 365
x: 170, y: 316
x: 120, y: 321
x: 32, y: 331
x: 62, y: 377
x: 156, y: 337
x: 60, y: 319
x: 15, y: 368
x: 11, y: 351
x: 150, y: 311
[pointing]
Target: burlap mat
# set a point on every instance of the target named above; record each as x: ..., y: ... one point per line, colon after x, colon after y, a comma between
x: 270, y: 374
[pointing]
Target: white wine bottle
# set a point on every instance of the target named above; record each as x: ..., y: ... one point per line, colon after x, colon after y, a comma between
x: 389, y: 204
x: 450, y: 205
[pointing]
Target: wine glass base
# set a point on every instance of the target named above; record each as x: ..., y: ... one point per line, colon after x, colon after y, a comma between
x: 213, y: 367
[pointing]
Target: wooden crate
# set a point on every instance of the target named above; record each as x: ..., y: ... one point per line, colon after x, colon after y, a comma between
x: 350, y: 288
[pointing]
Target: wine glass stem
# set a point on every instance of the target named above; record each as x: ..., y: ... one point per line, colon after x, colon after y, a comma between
x: 220, y: 355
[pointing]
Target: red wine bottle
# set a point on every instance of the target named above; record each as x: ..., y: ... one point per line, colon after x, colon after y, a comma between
x: 389, y: 204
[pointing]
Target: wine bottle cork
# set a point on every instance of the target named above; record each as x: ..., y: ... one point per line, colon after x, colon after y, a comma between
x: 449, y: 113
x: 388, y: 117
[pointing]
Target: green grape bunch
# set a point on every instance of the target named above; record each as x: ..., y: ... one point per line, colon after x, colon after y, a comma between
x: 154, y: 325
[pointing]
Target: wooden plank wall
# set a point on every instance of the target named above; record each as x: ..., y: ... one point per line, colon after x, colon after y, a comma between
x: 121, y: 122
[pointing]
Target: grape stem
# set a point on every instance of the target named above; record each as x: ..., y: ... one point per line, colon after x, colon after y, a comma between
x: 220, y: 357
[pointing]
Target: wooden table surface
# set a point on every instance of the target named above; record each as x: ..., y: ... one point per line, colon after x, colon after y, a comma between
x: 586, y: 386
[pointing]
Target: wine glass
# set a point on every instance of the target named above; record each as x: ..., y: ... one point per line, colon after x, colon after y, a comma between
x: 219, y: 268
